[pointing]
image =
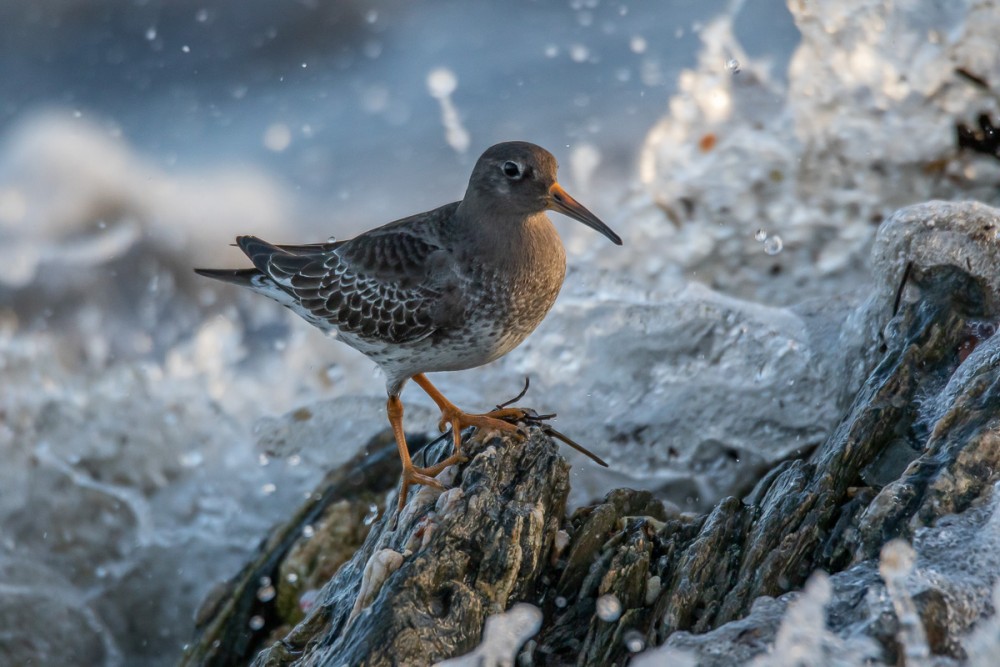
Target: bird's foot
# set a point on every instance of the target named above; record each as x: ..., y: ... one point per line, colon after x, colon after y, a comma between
x: 425, y: 476
x: 507, y: 420
x: 503, y: 420
x: 532, y: 418
x: 433, y: 470
x: 421, y: 476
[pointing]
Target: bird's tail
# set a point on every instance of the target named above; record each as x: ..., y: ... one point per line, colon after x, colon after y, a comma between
x: 259, y: 252
x: 268, y: 274
x: 241, y: 277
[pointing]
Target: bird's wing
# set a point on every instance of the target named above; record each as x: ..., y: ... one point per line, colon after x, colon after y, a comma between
x: 386, y: 284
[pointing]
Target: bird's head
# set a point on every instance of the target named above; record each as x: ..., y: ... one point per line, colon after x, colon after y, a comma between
x: 520, y: 178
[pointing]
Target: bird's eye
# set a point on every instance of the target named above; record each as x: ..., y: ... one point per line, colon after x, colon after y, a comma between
x: 511, y: 170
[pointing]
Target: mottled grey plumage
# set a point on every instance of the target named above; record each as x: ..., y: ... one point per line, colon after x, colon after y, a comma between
x: 449, y: 289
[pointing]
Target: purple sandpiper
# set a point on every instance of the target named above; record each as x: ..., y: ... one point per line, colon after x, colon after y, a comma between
x: 446, y: 290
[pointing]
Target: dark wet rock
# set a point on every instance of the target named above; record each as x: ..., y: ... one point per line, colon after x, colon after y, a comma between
x: 423, y: 583
x: 270, y: 591
x: 913, y: 461
x: 420, y: 588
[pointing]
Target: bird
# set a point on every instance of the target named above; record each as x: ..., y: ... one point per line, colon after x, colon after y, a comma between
x: 449, y: 289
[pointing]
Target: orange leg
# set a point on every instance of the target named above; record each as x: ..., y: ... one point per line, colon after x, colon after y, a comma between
x: 457, y: 419
x: 411, y: 473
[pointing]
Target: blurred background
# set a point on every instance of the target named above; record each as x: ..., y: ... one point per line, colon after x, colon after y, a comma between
x: 341, y: 103
x: 746, y: 154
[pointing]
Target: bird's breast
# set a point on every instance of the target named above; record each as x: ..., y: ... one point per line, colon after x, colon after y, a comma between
x: 517, y: 288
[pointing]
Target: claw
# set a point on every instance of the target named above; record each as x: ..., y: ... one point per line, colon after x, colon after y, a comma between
x: 430, y: 471
x: 421, y: 476
x: 414, y: 475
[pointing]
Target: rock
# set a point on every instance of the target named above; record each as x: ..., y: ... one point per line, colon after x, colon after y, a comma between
x: 421, y: 587
x: 423, y: 583
x: 503, y: 636
x: 882, y: 544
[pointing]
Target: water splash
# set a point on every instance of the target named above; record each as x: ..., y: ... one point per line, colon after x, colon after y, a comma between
x: 441, y: 83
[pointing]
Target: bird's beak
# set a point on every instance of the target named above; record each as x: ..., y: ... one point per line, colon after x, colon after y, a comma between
x: 559, y: 200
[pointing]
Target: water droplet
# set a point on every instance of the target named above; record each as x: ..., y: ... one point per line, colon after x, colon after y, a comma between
x: 308, y: 531
x: 560, y: 601
x: 773, y: 245
x: 186, y: 49
x: 277, y: 137
x: 256, y: 623
x: 262, y: 459
x: 551, y: 51
x: 759, y: 235
x: 294, y: 460
x: 733, y: 65
x: 201, y: 16
x: 268, y: 488
x: 637, y: 44
x: 266, y: 593
x: 192, y: 459
x: 372, y: 514
x: 101, y: 572
x: 634, y: 641
x: 291, y: 577
x: 578, y: 53
x: 441, y: 82
x: 151, y: 33
x: 609, y: 608
x: 371, y: 16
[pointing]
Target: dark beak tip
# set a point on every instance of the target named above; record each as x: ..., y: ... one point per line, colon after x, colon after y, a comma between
x: 610, y: 235
x: 562, y: 202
